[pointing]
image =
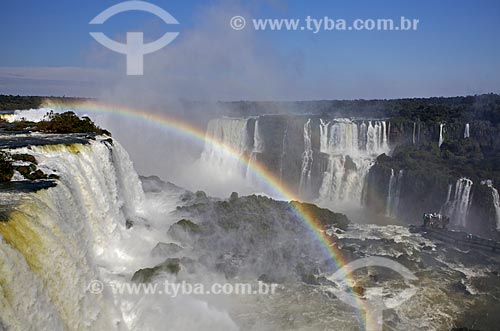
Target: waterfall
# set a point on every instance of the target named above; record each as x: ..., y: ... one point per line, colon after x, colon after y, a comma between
x: 307, y: 160
x: 283, y: 151
x: 496, y: 201
x: 351, y: 147
x: 389, y: 194
x: 448, y: 195
x: 496, y: 204
x: 457, y: 207
x: 323, y: 132
x: 414, y: 133
x: 60, y: 239
x: 258, y: 147
x: 399, y: 183
x: 232, y: 133
x: 258, y: 143
x: 467, y: 131
x: 441, y: 134
x: 384, y: 136
x: 394, y: 193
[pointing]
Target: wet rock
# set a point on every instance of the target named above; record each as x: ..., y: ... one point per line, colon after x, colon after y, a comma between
x: 267, y: 279
x: 129, y: 224
x: 146, y: 275
x: 233, y: 197
x: 359, y: 290
x: 200, y: 195
x: 184, y: 230
x: 349, y: 164
x: 24, y: 157
x: 165, y: 249
x: 53, y: 176
x: 35, y: 175
x: 322, y: 216
x: 6, y: 171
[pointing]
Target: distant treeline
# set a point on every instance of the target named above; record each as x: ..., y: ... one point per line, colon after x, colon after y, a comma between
x: 452, y: 109
x: 13, y: 102
x: 478, y: 107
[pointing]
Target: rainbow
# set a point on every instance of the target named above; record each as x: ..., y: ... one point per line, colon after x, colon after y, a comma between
x: 258, y: 170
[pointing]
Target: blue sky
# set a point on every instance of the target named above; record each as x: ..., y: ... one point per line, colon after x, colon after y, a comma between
x: 47, y: 49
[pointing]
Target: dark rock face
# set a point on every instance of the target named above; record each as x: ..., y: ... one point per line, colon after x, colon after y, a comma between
x: 431, y: 173
x: 166, y: 249
x: 428, y: 169
x: 283, y: 138
x: 172, y: 266
x: 259, y: 236
x: 435, y: 142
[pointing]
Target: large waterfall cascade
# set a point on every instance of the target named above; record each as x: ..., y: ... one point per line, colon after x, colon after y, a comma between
x: 351, y: 146
x: 234, y: 134
x: 60, y: 239
x: 457, y: 205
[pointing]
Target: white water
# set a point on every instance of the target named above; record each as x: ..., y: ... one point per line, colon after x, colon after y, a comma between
x: 342, y: 139
x: 496, y: 204
x: 441, y: 134
x: 32, y: 115
x: 414, y: 135
x: 394, y: 193
x: 307, y: 160
x: 323, y: 134
x: 467, y: 131
x: 73, y: 229
x: 351, y: 148
x: 258, y: 142
x: 283, y: 151
x: 232, y: 133
x: 496, y: 201
x: 457, y: 207
x: 389, y: 194
x: 61, y: 239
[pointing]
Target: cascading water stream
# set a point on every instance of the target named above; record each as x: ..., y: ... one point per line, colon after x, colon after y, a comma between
x: 390, y: 194
x: 414, y: 137
x: 307, y: 160
x: 283, y: 151
x: 457, y: 207
x: 61, y: 239
x: 258, y: 147
x: 441, y: 134
x: 394, y: 193
x: 230, y: 132
x: 496, y: 201
x: 351, y: 147
x: 496, y: 204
